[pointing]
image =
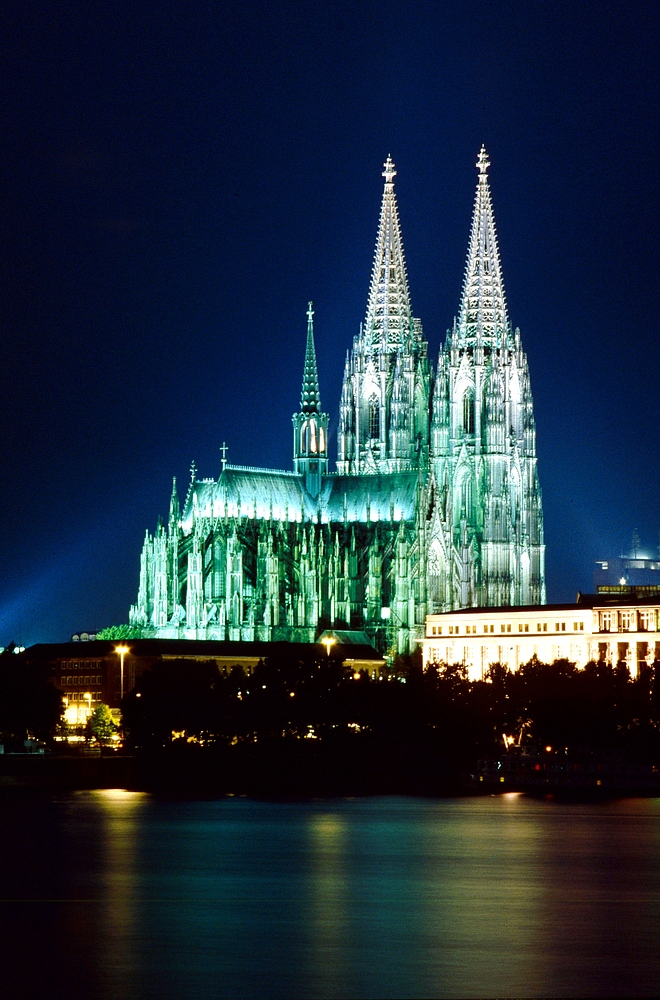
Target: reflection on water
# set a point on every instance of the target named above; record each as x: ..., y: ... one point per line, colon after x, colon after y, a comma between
x: 122, y: 896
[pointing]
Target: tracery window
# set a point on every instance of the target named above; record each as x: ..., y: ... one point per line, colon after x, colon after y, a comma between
x: 374, y: 417
x: 468, y: 411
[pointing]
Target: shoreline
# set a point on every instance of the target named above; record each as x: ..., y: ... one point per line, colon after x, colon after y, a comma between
x: 217, y: 775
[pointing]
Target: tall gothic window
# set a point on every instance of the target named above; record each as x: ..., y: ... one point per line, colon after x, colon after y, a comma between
x: 374, y: 417
x: 308, y: 441
x: 468, y: 411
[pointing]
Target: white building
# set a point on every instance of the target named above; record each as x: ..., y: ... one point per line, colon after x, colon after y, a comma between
x: 598, y: 627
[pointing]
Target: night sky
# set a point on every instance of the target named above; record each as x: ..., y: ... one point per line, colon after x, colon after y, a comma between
x: 179, y: 179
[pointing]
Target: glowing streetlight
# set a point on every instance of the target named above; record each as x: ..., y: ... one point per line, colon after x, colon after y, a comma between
x: 122, y: 650
x: 328, y: 642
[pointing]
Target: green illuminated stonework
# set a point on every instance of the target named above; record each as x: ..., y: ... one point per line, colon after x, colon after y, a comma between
x: 435, y: 504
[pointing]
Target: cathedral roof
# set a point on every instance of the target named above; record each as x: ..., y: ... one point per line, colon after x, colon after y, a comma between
x: 483, y: 314
x: 390, y: 496
x: 242, y: 491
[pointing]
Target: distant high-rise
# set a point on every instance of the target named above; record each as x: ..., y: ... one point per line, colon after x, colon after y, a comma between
x: 435, y: 503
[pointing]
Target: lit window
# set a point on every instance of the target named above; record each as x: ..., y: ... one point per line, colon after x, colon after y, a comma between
x: 563, y: 626
x: 526, y: 627
x: 605, y: 621
x: 627, y: 623
x: 647, y: 621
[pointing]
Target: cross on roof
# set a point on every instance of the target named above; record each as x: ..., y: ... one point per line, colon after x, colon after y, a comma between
x: 389, y: 173
x: 310, y: 312
x: 224, y: 451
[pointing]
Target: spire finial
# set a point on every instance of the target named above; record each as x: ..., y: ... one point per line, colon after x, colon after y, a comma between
x: 224, y: 451
x: 389, y: 172
x: 310, y: 401
x: 482, y: 164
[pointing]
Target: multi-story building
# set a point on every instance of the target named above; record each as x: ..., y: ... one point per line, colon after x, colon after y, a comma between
x: 598, y: 627
x: 435, y: 503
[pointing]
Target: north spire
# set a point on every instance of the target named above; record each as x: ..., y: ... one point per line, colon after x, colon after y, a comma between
x: 310, y: 397
x: 483, y: 314
x: 389, y: 318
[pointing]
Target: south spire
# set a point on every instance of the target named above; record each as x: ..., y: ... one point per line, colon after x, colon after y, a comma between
x: 483, y: 317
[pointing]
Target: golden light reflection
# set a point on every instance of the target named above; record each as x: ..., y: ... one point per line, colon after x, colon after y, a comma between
x: 119, y: 795
x: 120, y: 811
x: 481, y: 887
x: 328, y: 898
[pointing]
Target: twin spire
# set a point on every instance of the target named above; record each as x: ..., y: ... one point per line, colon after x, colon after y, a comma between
x: 389, y: 317
x: 483, y: 315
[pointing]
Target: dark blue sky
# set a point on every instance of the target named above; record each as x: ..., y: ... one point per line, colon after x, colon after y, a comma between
x: 179, y: 179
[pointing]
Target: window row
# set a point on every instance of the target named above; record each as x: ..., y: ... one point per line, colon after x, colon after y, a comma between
x: 82, y: 695
x: 506, y: 627
x: 72, y: 681
x: 628, y: 621
x: 80, y: 664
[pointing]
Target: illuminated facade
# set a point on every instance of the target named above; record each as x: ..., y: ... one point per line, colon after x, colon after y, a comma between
x: 435, y: 503
x: 597, y: 628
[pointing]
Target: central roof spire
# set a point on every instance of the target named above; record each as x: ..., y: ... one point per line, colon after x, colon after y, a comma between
x: 389, y: 318
x: 310, y: 397
x: 483, y: 314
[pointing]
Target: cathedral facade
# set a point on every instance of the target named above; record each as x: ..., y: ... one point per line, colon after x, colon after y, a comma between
x: 435, y: 503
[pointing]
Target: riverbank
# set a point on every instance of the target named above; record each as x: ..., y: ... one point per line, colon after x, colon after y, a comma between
x: 282, y: 771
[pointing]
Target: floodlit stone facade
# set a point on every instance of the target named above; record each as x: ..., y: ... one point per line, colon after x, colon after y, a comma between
x: 435, y: 503
x: 597, y: 629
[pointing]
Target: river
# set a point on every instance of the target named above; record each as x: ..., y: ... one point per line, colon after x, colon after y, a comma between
x: 119, y: 896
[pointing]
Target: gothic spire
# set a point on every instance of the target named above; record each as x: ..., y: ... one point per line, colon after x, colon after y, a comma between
x: 389, y: 317
x: 483, y: 316
x: 310, y: 398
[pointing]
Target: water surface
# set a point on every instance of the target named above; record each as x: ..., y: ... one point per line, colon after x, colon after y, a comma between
x: 116, y: 895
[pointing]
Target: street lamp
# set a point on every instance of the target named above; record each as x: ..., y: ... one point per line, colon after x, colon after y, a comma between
x: 122, y: 650
x: 328, y: 642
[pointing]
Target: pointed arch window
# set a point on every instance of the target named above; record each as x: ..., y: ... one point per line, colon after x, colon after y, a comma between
x: 308, y: 443
x: 374, y: 417
x: 468, y: 411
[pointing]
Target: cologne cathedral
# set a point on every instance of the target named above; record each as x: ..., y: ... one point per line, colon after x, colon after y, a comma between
x: 435, y: 503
